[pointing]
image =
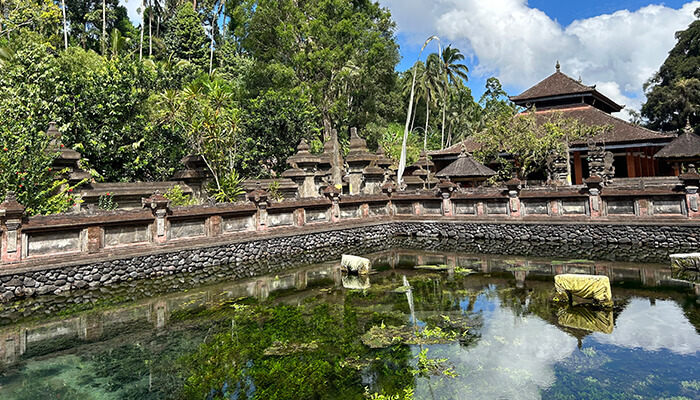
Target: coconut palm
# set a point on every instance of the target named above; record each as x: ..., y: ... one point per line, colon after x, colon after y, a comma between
x: 431, y: 83
x: 453, y: 74
x: 402, y: 159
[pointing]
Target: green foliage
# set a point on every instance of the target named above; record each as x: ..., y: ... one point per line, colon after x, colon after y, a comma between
x: 341, y: 54
x: 178, y: 198
x: 230, y: 187
x: 273, y: 191
x: 273, y: 124
x: 530, y: 139
x: 106, y: 202
x: 185, y: 37
x: 673, y: 93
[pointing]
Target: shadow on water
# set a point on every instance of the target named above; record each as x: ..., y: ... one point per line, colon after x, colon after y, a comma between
x: 478, y: 325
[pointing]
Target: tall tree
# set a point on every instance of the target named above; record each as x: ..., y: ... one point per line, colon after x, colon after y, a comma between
x: 453, y: 73
x: 185, y: 38
x: 673, y: 93
x: 316, y: 43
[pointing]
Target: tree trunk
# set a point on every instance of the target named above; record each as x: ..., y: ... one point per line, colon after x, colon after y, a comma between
x: 444, y: 107
x: 143, y: 21
x: 150, y: 31
x: 104, y: 27
x: 427, y: 117
x: 413, y: 120
x: 65, y: 25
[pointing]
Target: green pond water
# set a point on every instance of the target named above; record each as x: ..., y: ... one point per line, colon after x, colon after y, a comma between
x: 475, y: 327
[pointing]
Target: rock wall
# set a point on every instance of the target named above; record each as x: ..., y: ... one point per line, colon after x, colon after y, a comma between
x: 241, y: 259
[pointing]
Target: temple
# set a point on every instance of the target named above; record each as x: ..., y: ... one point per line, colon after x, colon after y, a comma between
x: 625, y: 150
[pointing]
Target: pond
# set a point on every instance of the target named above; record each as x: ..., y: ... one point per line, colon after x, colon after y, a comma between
x: 430, y: 322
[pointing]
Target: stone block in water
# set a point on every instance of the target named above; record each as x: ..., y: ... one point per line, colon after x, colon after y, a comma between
x: 596, y: 287
x: 355, y: 264
x: 689, y: 261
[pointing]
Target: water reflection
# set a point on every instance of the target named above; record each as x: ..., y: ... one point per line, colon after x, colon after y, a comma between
x: 587, y: 318
x: 653, y: 326
x: 516, y: 345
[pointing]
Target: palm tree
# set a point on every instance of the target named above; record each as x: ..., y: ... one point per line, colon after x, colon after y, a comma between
x: 430, y: 83
x: 402, y: 159
x: 453, y: 73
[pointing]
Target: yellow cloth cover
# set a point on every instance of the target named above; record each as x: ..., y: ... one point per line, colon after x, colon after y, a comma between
x: 581, y: 317
x: 595, y: 287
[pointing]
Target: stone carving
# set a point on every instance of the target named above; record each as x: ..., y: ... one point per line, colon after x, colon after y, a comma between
x: 600, y: 162
x: 557, y: 171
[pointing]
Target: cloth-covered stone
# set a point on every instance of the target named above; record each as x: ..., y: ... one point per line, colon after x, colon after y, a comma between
x: 355, y: 264
x: 596, y: 287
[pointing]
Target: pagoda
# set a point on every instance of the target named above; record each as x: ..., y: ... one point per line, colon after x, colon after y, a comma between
x: 631, y: 147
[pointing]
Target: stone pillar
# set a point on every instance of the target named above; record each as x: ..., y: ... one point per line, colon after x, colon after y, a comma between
x: 160, y: 206
x: 333, y: 193
x: 12, y: 214
x: 514, y: 185
x: 259, y: 197
x: 691, y: 181
x: 94, y: 239
x: 446, y: 188
x: 215, y: 225
x: 594, y: 184
x: 358, y: 159
x: 303, y: 171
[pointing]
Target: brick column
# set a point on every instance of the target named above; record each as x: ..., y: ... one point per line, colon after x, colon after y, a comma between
x: 94, y: 239
x: 160, y: 206
x: 595, y: 204
x: 12, y: 214
x: 259, y: 198
x: 691, y: 181
x: 333, y: 193
x: 514, y: 185
x: 446, y: 189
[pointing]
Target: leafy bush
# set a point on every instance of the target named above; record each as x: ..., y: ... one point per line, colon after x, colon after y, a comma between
x: 178, y: 198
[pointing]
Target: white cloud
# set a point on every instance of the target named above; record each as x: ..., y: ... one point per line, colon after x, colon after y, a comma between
x: 653, y: 328
x: 132, y: 7
x: 520, y: 44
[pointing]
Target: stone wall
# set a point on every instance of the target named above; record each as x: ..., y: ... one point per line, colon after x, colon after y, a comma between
x: 55, y: 254
x: 624, y: 240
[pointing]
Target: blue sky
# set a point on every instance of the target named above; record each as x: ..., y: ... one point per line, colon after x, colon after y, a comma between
x: 616, y: 45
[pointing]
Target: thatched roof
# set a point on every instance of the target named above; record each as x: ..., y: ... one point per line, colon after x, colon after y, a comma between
x: 685, y: 146
x: 466, y: 167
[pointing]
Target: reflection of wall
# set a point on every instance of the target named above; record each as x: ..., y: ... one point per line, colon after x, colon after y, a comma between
x: 50, y: 336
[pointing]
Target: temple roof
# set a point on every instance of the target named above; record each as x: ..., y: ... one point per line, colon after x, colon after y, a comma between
x: 466, y: 167
x: 559, y: 87
x: 621, y: 131
x: 685, y: 146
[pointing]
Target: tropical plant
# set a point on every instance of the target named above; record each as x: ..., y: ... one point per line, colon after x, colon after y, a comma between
x: 453, y: 74
x: 178, y: 198
x: 106, y: 202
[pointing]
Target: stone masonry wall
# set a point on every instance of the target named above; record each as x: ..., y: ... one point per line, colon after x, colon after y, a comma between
x: 289, y: 250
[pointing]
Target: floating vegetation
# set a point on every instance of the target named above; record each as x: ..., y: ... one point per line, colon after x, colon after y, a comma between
x: 433, y: 366
x: 279, y: 348
x: 441, y: 267
x: 380, y: 337
x: 464, y: 271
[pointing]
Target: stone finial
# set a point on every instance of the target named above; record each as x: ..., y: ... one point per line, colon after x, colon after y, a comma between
x: 514, y: 184
x: 558, y: 66
x: 259, y: 195
x: 688, y: 128
x: 156, y: 201
x: 11, y: 208
x: 54, y: 135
